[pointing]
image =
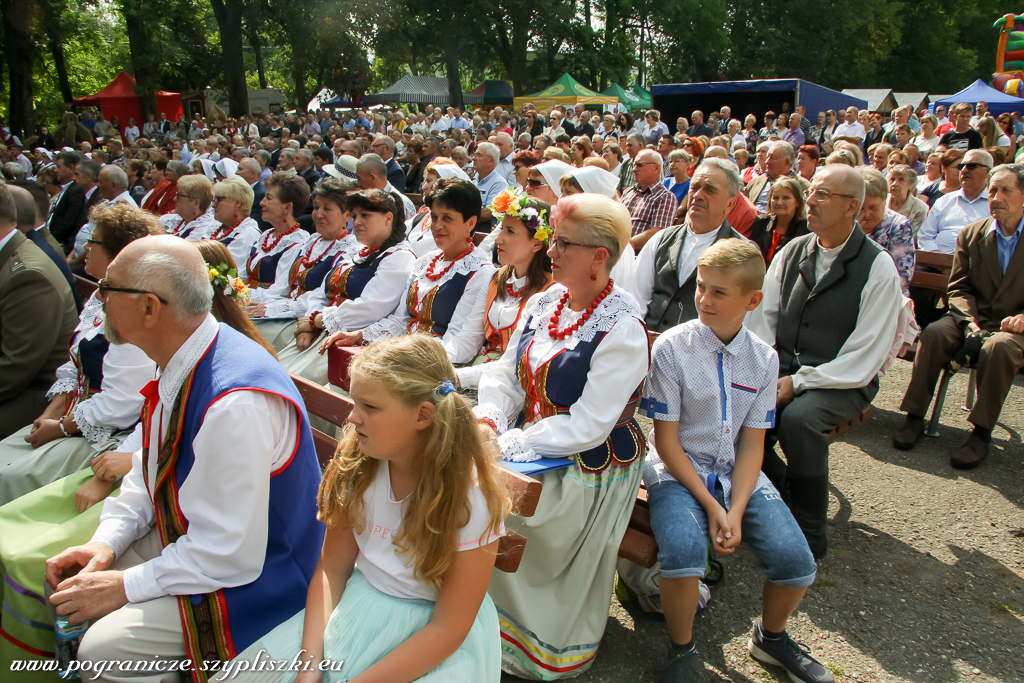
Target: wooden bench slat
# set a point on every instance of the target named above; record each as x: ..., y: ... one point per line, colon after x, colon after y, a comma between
x: 85, y: 286
x: 934, y: 259
x: 524, y: 491
x: 322, y: 402
x: 638, y: 548
x: 510, y: 552
x: 937, y: 281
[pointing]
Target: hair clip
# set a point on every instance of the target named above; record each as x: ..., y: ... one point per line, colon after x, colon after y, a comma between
x: 445, y: 388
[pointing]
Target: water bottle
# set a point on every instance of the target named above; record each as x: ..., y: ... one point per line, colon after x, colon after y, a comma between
x: 67, y: 638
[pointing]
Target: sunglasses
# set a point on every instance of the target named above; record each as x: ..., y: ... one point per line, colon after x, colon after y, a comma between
x: 970, y: 166
x: 536, y: 182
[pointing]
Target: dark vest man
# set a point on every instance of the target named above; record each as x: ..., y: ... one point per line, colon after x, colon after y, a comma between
x: 665, y: 274
x: 831, y: 305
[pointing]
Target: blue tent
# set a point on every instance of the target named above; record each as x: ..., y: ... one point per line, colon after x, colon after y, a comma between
x: 998, y: 102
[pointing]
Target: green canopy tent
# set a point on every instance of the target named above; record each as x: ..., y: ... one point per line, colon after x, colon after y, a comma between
x: 494, y: 92
x: 567, y: 91
x: 625, y: 97
x: 643, y: 95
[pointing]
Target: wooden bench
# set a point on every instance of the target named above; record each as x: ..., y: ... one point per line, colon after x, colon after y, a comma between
x: 85, y: 287
x: 937, y: 282
x: 638, y: 544
x: 524, y: 491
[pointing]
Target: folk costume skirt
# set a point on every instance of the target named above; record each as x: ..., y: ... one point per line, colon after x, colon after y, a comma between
x: 278, y: 333
x: 364, y: 627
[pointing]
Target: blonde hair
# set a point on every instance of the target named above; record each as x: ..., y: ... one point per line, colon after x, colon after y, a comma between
x: 736, y: 257
x: 842, y: 156
x: 601, y: 221
x: 853, y: 149
x: 411, y: 368
x: 793, y: 185
x: 237, y: 189
x: 197, y: 187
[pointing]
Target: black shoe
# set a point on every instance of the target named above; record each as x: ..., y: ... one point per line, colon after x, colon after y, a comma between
x: 909, y: 434
x: 792, y: 656
x: 682, y: 667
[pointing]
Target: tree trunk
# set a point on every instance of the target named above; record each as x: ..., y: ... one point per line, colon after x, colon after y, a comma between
x: 229, y: 20
x: 137, y: 42
x: 451, y: 63
x: 257, y: 47
x: 19, y: 25
x: 59, y: 64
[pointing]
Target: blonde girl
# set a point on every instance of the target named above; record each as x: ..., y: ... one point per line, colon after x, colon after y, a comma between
x: 412, y: 493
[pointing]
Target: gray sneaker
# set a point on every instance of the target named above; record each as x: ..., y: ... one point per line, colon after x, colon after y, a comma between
x: 792, y: 656
x: 681, y: 667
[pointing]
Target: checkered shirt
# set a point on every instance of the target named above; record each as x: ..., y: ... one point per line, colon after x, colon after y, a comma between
x: 654, y: 207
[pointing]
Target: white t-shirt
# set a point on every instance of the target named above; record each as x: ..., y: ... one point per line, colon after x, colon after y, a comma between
x: 379, y: 560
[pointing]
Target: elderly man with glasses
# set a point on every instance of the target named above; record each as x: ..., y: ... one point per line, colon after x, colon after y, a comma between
x: 384, y: 147
x: 956, y: 210
x: 651, y: 206
x: 831, y: 303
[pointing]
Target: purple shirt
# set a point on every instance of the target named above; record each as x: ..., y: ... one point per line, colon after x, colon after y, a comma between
x: 795, y: 137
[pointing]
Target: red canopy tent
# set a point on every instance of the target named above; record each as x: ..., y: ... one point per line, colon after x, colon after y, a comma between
x: 119, y: 99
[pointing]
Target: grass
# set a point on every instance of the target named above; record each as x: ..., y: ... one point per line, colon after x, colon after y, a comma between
x: 837, y: 671
x: 825, y: 583
x: 997, y: 607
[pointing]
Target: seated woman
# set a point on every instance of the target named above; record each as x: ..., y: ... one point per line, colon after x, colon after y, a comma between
x: 193, y: 218
x: 445, y: 291
x: 566, y: 388
x: 232, y: 202
x: 64, y: 513
x: 522, y: 247
x: 890, y: 230
x: 363, y: 288
x: 270, y: 258
x: 95, y: 401
x: 421, y: 239
x: 785, y: 221
x: 275, y: 309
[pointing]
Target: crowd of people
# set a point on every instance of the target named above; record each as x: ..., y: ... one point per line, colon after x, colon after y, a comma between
x: 503, y: 270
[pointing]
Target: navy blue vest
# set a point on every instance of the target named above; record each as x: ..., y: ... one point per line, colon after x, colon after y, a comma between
x: 346, y: 282
x: 439, y: 305
x: 90, y: 355
x: 294, y: 536
x: 263, y: 273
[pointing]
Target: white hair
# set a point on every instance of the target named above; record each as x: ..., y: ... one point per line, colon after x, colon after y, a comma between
x: 189, y: 293
x: 491, y: 150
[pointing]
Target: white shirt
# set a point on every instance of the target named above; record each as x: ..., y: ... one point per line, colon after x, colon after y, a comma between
x: 378, y: 299
x: 85, y: 232
x: 131, y: 134
x: 862, y: 355
x: 643, y: 272
x: 421, y: 239
x: 948, y: 216
x: 126, y: 370
x: 465, y: 331
x: 410, y: 208
x: 855, y: 129
x: 713, y: 390
x: 502, y: 313
x: 617, y: 367
x: 379, y: 561
x: 506, y: 169
x: 245, y: 436
x: 7, y: 238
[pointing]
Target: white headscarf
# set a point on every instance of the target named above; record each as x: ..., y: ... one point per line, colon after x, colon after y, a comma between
x: 449, y: 171
x: 208, y: 169
x: 226, y: 167
x: 553, y: 170
x: 597, y: 180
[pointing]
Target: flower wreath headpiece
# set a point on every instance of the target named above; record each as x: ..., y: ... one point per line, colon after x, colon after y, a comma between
x: 228, y: 282
x: 512, y: 202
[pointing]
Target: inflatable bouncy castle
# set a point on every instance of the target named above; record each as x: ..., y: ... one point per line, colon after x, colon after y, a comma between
x: 1009, y: 75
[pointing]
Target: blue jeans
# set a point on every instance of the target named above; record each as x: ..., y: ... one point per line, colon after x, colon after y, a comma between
x: 681, y: 529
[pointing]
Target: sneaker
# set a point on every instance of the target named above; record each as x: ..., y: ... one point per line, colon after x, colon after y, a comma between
x: 792, y: 656
x: 681, y: 667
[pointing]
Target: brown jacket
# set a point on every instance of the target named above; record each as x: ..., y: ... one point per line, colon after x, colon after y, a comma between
x: 37, y: 317
x: 979, y: 292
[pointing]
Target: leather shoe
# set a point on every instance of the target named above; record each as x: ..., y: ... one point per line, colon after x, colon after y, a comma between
x: 908, y: 435
x: 970, y: 454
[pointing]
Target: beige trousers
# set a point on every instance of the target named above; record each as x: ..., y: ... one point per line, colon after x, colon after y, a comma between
x: 141, y: 642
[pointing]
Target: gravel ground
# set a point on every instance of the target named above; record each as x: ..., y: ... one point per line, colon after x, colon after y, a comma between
x: 924, y: 581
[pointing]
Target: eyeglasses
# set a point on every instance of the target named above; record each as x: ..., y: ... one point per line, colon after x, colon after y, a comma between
x: 181, y: 196
x: 561, y: 244
x: 970, y: 166
x: 92, y: 241
x: 645, y: 163
x: 822, y: 196
x: 103, y: 289
x: 536, y: 182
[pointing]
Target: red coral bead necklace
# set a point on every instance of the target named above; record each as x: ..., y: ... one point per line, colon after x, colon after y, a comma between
x: 571, y: 329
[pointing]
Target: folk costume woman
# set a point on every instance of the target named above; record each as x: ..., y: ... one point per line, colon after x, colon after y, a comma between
x: 446, y: 289
x: 363, y: 288
x: 193, y: 217
x: 95, y: 401
x: 566, y: 388
x: 276, y: 309
x: 65, y: 513
x: 271, y: 256
x: 232, y: 202
x: 420, y: 238
x: 522, y: 245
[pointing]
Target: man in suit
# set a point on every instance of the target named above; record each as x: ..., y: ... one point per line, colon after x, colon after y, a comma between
x: 384, y: 147
x: 87, y: 174
x: 985, y: 322
x: 665, y: 273
x: 781, y: 162
x: 305, y: 168
x: 42, y: 214
x: 29, y: 200
x: 37, y: 317
x: 249, y: 171
x: 63, y: 222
